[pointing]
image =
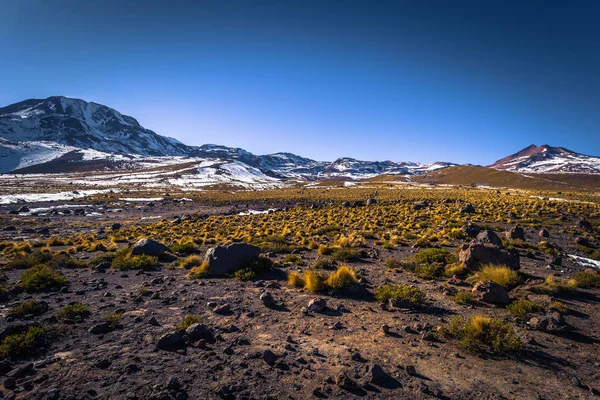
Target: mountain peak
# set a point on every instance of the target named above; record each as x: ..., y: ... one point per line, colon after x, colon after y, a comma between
x: 548, y: 159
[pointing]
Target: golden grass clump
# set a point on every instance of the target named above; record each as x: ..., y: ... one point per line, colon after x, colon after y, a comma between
x: 295, y: 280
x: 200, y: 271
x: 482, y: 334
x: 313, y: 282
x: 342, y: 277
x: 190, y: 262
x: 502, y: 275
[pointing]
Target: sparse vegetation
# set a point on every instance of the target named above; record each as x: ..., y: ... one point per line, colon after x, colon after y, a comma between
x: 124, y: 260
x: 28, y: 307
x: 502, y: 275
x: 25, y: 342
x: 587, y: 280
x: 74, y: 311
x: 405, y: 293
x: 482, y: 334
x: 41, y: 278
x: 522, y: 307
x: 188, y: 321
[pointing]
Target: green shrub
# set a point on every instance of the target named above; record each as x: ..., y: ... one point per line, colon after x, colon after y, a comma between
x: 433, y: 256
x: 522, y: 307
x: 41, y: 278
x: 123, y: 260
x: 74, y: 311
x: 587, y: 280
x: 22, y: 343
x: 28, y: 260
x: 114, y: 319
x: 323, y: 263
x: 429, y: 271
x: 481, y: 334
x: 412, y: 294
x: 29, y: 307
x: 63, y: 260
x: 346, y: 255
x: 465, y: 297
x: 188, y: 321
x: 293, y: 259
x: 184, y: 248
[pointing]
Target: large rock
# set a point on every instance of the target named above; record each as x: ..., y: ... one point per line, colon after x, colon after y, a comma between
x: 489, y: 236
x: 516, y: 233
x: 491, y: 292
x: 229, y: 258
x: 468, y: 208
x: 471, y: 230
x: 585, y: 225
x: 474, y: 254
x: 170, y: 341
x: 149, y: 247
x: 552, y: 322
x: 198, y: 331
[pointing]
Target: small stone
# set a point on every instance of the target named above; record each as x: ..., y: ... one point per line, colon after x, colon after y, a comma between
x: 317, y: 304
x: 269, y: 357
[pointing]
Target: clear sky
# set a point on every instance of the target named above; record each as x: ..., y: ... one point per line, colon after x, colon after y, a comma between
x: 461, y: 81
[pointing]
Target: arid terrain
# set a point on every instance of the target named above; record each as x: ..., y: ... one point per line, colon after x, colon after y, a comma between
x: 373, y: 291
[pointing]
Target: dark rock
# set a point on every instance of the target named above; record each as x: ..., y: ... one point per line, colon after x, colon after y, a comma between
x: 544, y: 233
x: 491, y: 292
x: 198, y: 331
x: 516, y: 232
x: 468, y: 208
x: 228, y: 258
x: 101, y: 328
x: 343, y: 381
x: 222, y: 309
x: 471, y: 230
x: 585, y: 225
x: 170, y: 341
x: 267, y: 299
x: 375, y: 374
x: 269, y: 357
x: 317, y: 304
x: 552, y: 322
x: 476, y: 253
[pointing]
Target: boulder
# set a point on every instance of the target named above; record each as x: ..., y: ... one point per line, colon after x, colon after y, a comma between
x: 582, y: 241
x: 198, y: 331
x: 346, y: 204
x: 471, y: 230
x: 552, y: 322
x: 149, y: 247
x: 585, y: 225
x: 516, y: 233
x: 317, y: 304
x: 170, y: 341
x: 489, y: 236
x: 544, y: 233
x: 371, y: 201
x: 343, y: 381
x: 418, y: 205
x: 476, y: 253
x: 267, y: 299
x: 468, y: 209
x: 491, y: 292
x: 358, y: 203
x: 223, y: 260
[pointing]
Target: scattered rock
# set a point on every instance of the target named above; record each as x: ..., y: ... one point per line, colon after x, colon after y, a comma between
x: 269, y: 357
x: 585, y: 225
x: 544, y: 233
x: 468, y: 208
x: 516, y: 233
x: 267, y: 299
x: 491, y: 292
x: 343, y: 381
x: 317, y: 304
x: 170, y: 341
x: 552, y: 322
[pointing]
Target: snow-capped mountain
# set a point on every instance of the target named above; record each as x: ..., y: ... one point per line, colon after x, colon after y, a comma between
x: 83, y: 125
x: 61, y: 134
x: 548, y: 159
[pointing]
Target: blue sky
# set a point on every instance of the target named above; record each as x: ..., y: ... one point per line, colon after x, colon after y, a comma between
x: 461, y: 81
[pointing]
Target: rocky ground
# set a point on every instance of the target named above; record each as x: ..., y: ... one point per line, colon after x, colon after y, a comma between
x: 256, y: 346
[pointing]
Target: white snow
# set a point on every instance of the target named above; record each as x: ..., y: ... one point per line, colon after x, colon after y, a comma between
x: 586, y: 262
x: 41, y: 197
